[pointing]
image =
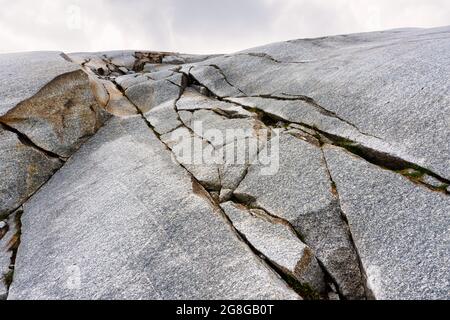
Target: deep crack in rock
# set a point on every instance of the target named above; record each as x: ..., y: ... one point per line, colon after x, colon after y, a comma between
x: 369, y: 294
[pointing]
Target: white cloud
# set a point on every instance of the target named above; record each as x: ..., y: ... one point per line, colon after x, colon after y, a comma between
x: 199, y: 26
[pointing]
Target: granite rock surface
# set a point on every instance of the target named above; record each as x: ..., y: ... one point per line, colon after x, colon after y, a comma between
x: 307, y: 169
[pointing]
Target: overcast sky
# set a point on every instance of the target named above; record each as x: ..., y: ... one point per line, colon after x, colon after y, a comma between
x: 199, y: 26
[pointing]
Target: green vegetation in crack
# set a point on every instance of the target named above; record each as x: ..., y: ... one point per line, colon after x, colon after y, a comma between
x: 412, y: 174
x: 443, y: 187
x: 303, y: 290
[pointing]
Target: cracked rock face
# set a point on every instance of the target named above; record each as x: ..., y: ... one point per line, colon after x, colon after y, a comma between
x: 392, y: 215
x: 308, y: 169
x: 158, y: 238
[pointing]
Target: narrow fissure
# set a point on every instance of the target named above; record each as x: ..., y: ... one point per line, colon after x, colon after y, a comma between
x: 271, y: 58
x: 411, y: 171
x: 368, y: 292
x: 250, y: 204
x: 225, y: 78
x: 28, y: 142
x: 376, y: 157
x: 200, y: 188
x: 216, y: 206
x: 317, y: 106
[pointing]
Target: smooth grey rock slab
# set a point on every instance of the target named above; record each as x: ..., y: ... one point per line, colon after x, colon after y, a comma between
x: 302, y: 172
x: 301, y: 193
x: 23, y: 169
x: 279, y: 244
x: 185, y: 117
x: 311, y: 50
x: 122, y: 221
x: 61, y: 116
x: 401, y: 229
x: 24, y: 74
x: 192, y: 58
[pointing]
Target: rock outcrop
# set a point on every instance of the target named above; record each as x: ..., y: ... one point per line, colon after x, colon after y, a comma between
x: 308, y: 169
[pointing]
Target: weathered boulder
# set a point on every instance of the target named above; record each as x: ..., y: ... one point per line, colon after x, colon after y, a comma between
x: 60, y: 116
x: 111, y: 98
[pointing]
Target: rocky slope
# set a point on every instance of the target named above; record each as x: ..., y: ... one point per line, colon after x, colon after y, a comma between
x: 98, y: 202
